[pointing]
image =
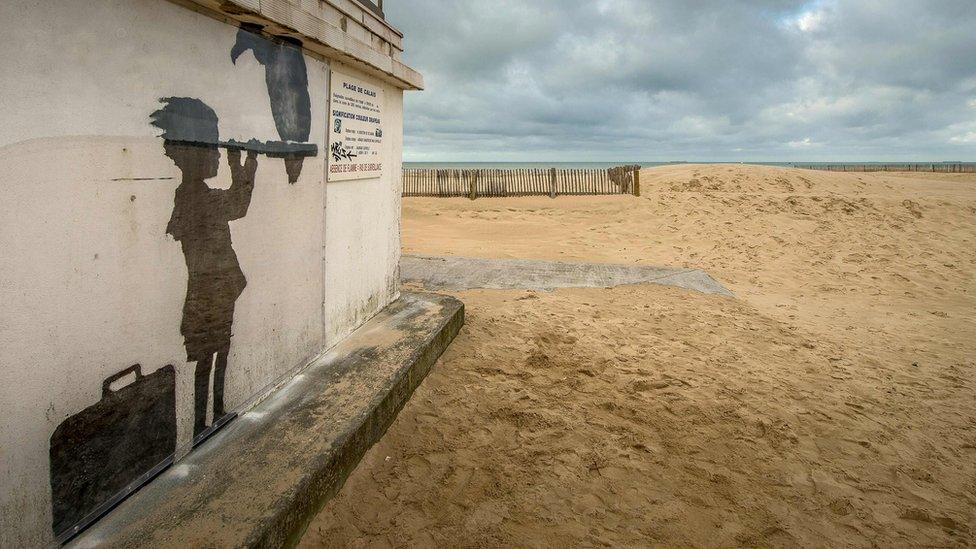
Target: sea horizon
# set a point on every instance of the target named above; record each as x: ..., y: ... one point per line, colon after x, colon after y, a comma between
x: 649, y: 164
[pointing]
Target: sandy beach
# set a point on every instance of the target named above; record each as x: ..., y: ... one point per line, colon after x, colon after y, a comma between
x: 832, y: 402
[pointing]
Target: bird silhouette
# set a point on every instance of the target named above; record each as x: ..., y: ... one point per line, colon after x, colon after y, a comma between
x: 287, y: 80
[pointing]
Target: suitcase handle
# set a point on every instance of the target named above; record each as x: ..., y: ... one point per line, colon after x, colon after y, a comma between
x: 107, y: 384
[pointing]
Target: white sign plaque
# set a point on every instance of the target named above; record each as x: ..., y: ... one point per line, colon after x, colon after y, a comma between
x: 355, y: 129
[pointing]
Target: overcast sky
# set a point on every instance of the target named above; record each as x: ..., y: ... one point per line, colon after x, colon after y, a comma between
x: 616, y: 80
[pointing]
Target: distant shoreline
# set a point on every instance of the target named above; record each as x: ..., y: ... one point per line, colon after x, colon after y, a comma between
x: 601, y: 165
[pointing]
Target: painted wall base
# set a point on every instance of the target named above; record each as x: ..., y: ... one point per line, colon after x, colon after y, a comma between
x: 260, y: 480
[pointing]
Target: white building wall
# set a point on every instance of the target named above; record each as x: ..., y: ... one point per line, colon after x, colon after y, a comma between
x: 359, y: 234
x: 91, y: 282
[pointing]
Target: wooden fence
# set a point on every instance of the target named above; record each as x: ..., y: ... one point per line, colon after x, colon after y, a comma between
x: 520, y: 182
x: 940, y: 167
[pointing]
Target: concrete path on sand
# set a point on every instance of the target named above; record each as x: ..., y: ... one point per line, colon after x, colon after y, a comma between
x: 463, y: 273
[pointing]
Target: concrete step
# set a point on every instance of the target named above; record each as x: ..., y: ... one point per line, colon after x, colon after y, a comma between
x: 260, y: 480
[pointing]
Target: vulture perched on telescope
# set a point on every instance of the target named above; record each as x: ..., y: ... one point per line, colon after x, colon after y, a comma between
x: 287, y: 80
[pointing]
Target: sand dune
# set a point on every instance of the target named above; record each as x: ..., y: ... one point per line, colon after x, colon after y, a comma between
x: 831, y: 403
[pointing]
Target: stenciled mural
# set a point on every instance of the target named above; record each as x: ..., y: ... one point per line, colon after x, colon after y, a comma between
x: 287, y: 79
x: 102, y: 453
x: 98, y: 452
x: 200, y: 224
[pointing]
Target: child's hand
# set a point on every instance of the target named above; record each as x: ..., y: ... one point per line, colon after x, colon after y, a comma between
x: 239, y: 173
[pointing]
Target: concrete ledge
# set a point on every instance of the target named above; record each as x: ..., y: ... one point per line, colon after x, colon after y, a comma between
x: 336, y: 29
x: 463, y: 273
x: 259, y: 481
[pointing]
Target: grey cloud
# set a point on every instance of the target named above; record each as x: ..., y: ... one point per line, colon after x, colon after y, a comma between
x: 689, y: 79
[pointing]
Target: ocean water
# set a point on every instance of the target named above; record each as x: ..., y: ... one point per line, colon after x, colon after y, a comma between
x: 605, y: 165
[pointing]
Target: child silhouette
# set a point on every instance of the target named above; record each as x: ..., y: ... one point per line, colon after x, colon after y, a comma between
x: 200, y: 223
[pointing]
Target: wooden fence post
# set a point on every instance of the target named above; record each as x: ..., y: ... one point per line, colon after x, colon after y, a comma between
x: 542, y: 181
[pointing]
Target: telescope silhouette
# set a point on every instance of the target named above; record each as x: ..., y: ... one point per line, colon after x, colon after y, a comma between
x: 273, y: 149
x: 191, y: 122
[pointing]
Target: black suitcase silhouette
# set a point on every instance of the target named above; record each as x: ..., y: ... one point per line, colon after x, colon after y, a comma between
x: 111, y: 448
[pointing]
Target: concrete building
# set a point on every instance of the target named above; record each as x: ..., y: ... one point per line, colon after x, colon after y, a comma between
x: 199, y: 198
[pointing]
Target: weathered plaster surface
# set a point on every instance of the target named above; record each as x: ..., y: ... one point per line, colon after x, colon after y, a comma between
x: 360, y: 234
x: 89, y: 280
